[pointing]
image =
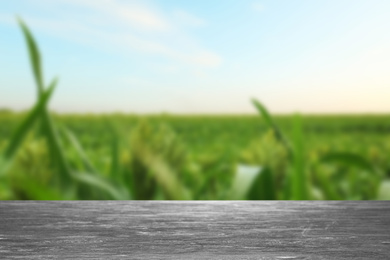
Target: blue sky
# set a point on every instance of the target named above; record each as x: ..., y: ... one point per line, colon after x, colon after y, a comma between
x: 198, y: 56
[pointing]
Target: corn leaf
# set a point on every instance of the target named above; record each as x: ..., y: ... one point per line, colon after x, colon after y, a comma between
x: 253, y: 183
x: 271, y: 124
x: 20, y: 133
x: 243, y: 181
x: 263, y: 187
x: 299, y: 178
x: 34, y: 54
x: 80, y: 151
x: 165, y: 176
x: 115, y: 165
x: 97, y: 182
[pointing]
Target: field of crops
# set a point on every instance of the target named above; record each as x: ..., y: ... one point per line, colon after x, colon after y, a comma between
x: 259, y: 156
x: 201, y: 157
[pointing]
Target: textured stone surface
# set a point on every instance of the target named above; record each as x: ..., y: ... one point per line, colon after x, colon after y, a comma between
x: 194, y: 230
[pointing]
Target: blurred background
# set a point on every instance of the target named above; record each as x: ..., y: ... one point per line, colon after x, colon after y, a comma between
x: 169, y: 99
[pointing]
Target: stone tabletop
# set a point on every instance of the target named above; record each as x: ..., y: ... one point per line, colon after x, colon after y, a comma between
x: 194, y: 230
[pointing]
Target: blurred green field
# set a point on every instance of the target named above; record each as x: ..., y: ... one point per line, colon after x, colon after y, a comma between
x: 256, y: 157
x: 208, y: 150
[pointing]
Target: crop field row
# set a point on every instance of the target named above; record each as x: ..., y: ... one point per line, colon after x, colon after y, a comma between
x: 209, y: 148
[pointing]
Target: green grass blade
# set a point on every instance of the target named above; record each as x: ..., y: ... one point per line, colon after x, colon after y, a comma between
x: 299, y: 178
x: 48, y: 127
x: 271, y: 124
x: 164, y: 176
x: 243, y: 181
x: 253, y: 183
x: 115, y: 169
x: 54, y: 142
x: 28, y: 122
x: 167, y: 179
x: 115, y: 132
x: 34, y: 54
x: 80, y: 151
x: 58, y: 152
x: 263, y: 188
x: 115, y: 165
x: 265, y: 114
x: 96, y: 182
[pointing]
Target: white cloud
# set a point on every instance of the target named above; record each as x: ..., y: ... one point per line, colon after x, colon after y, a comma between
x: 132, y: 13
x: 124, y: 26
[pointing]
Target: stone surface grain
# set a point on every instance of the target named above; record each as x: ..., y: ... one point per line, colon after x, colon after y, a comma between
x: 194, y: 230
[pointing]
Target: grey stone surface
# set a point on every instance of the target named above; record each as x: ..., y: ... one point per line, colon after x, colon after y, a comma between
x: 194, y: 230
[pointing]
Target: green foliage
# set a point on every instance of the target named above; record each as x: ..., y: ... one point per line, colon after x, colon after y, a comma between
x: 21, y: 132
x: 157, y: 159
x: 35, y: 57
x: 32, y: 176
x: 271, y: 124
x: 299, y: 180
x: 348, y: 159
x: 254, y: 183
x: 189, y: 157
